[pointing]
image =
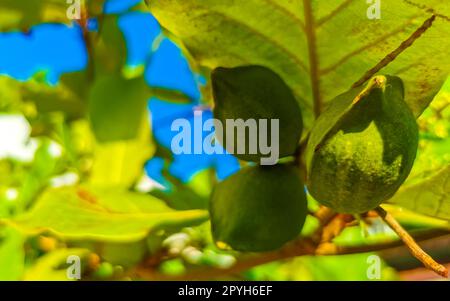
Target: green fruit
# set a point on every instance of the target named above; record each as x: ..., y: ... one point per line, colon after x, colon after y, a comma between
x: 256, y: 93
x: 104, y: 271
x: 259, y: 208
x: 362, y: 147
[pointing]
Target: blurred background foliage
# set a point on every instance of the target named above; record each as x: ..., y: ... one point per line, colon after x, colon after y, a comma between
x: 86, y: 167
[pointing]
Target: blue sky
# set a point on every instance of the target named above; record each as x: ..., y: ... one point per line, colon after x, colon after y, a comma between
x: 23, y: 55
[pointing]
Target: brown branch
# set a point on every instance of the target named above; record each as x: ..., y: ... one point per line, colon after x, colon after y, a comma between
x: 296, y: 248
x: 331, y: 224
x: 393, y: 55
x: 83, y: 22
x: 332, y: 230
x: 293, y: 249
x: 299, y: 247
x: 415, y: 249
x: 324, y: 215
x: 335, y: 227
x: 313, y: 57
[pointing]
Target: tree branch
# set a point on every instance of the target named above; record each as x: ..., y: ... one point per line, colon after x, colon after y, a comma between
x: 319, y: 243
x: 296, y: 248
x: 303, y: 246
x: 415, y: 249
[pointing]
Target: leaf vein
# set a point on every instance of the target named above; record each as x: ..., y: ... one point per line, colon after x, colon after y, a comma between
x: 363, y: 48
x: 278, y: 45
x: 333, y: 13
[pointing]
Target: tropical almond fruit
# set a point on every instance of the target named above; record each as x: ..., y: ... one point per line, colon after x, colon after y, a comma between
x: 252, y: 94
x: 362, y: 148
x: 259, y: 208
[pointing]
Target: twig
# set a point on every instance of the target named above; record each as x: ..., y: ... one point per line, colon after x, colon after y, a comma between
x: 83, y: 22
x: 293, y: 249
x: 335, y: 227
x: 393, y: 55
x: 325, y: 216
x: 415, y: 249
x: 297, y: 248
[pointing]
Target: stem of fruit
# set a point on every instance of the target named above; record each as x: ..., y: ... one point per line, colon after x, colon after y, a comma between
x: 415, y: 249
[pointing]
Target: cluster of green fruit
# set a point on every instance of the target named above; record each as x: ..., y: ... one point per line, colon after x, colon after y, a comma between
x: 359, y: 152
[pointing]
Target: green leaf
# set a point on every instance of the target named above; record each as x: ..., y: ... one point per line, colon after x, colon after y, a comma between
x: 121, y: 163
x: 183, y: 196
x: 12, y: 255
x: 320, y: 48
x: 412, y: 219
x: 103, y: 214
x: 117, y: 107
x: 23, y: 14
x: 45, y: 165
x: 356, y: 267
x: 53, y: 266
x: 434, y: 147
x: 111, y: 49
x: 36, y: 97
x: 431, y: 196
x: 10, y: 96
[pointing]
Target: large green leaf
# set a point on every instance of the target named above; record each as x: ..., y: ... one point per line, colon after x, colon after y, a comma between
x: 320, y: 48
x: 12, y: 255
x: 101, y: 214
x: 431, y: 196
